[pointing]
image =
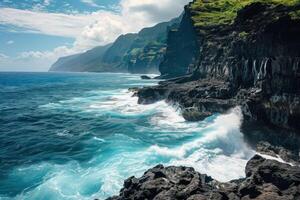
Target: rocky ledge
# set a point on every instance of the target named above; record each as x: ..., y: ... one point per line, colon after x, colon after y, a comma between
x: 266, y: 179
x: 197, y: 98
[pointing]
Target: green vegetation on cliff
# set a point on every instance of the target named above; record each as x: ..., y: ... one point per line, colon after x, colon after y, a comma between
x: 221, y: 12
x: 295, y: 14
x: 146, y: 59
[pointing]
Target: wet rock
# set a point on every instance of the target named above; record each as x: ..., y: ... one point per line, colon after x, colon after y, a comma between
x: 193, y: 114
x: 265, y: 179
x: 165, y: 183
x: 144, y: 77
x: 279, y: 152
x: 269, y: 178
x: 151, y: 95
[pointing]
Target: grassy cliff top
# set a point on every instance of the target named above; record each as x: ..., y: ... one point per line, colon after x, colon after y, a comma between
x: 217, y: 12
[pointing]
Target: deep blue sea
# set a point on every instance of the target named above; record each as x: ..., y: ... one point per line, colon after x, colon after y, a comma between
x: 66, y: 136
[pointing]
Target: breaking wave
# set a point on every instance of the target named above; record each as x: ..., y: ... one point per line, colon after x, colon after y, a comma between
x: 84, y: 144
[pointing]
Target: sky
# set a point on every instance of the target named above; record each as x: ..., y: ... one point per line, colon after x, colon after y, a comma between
x: 35, y: 33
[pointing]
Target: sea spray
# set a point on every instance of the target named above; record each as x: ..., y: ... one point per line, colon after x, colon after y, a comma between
x: 218, y: 151
x: 83, y: 138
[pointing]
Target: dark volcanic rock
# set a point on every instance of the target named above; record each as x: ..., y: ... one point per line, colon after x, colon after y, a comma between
x: 290, y: 156
x: 193, y: 114
x: 265, y: 180
x: 145, y: 77
x: 166, y: 183
x: 253, y: 62
x: 149, y: 95
x: 268, y: 179
x: 182, y: 49
x: 197, y: 99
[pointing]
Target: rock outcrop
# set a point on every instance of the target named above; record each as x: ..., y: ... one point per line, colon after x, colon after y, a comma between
x: 250, y: 57
x: 266, y: 179
x: 279, y: 152
x: 144, y: 77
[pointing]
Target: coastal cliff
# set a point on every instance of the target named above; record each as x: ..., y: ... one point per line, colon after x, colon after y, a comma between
x: 182, y: 49
x: 140, y: 52
x: 248, y: 54
x: 87, y: 61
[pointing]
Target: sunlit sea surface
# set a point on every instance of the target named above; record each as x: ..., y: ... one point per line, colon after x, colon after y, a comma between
x: 66, y: 136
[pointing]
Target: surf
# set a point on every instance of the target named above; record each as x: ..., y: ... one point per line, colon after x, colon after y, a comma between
x: 93, y: 136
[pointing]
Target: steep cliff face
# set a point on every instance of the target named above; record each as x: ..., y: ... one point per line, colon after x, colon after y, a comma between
x: 260, y: 52
x: 249, y: 55
x: 182, y: 49
x: 148, y: 50
x: 146, y: 59
x: 114, y: 55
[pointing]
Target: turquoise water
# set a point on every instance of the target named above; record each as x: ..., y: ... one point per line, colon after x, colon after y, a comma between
x: 78, y: 136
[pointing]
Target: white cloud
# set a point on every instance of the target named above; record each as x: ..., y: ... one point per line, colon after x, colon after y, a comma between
x: 92, y: 29
x: 47, y: 2
x: 101, y: 27
x: 46, y: 54
x: 41, y: 6
x: 33, y: 60
x: 45, y: 23
x: 90, y: 3
x: 3, y: 57
x: 153, y: 10
x: 10, y: 42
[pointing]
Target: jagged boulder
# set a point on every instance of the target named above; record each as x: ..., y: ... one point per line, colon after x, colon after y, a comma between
x: 193, y: 114
x: 265, y: 180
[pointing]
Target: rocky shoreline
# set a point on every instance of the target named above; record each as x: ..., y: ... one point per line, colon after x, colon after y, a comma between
x: 213, y: 63
x: 272, y: 174
x: 253, y: 63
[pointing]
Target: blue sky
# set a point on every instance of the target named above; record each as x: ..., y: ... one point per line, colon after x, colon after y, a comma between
x: 34, y: 33
x: 61, y: 6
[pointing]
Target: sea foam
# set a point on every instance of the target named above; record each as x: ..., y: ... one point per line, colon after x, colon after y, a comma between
x: 119, y: 138
x: 218, y: 151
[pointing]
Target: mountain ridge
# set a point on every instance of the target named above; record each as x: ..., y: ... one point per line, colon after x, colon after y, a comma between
x: 139, y: 52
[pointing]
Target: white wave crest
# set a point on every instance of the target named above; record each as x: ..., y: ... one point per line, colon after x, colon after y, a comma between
x: 219, y: 150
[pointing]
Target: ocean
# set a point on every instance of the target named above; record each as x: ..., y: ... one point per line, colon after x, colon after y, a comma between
x: 66, y: 136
